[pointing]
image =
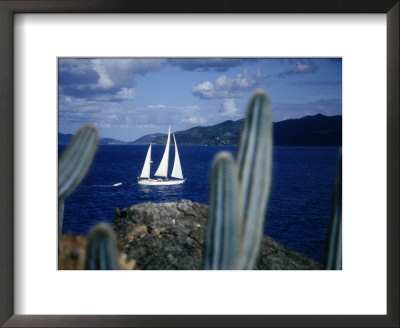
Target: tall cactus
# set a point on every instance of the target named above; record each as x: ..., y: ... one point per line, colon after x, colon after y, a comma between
x: 74, y: 164
x: 333, y: 259
x: 254, y: 159
x: 224, y: 224
x: 102, y: 253
x: 244, y: 209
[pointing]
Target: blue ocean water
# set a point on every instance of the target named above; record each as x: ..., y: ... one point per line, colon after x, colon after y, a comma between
x: 298, y: 209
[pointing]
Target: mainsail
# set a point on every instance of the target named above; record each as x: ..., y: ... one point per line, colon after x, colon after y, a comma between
x: 146, y: 167
x: 162, y: 170
x: 177, y: 169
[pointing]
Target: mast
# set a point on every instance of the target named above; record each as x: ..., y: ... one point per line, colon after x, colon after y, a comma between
x: 177, y: 169
x: 146, y: 166
x: 162, y: 170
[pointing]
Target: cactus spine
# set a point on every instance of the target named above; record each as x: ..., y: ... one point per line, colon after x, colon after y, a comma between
x: 239, y: 193
x: 334, y: 248
x: 102, y: 253
x: 224, y: 227
x: 74, y: 164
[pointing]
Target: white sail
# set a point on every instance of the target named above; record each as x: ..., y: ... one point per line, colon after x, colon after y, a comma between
x: 177, y: 169
x: 146, y: 167
x: 162, y: 170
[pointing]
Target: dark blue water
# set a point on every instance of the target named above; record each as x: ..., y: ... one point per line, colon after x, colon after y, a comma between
x: 298, y: 209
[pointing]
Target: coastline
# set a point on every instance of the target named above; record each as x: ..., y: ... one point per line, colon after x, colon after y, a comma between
x: 171, y: 236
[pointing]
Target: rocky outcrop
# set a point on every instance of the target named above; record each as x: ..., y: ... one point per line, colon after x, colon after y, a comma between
x: 163, y: 235
x: 171, y: 236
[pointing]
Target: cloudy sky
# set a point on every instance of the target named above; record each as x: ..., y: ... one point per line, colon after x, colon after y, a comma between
x: 127, y: 98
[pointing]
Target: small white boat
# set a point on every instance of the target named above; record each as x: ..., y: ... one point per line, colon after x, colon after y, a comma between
x: 162, y: 170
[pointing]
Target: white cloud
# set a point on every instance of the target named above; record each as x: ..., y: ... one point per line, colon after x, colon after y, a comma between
x: 125, y: 93
x: 177, y: 108
x: 104, y: 81
x: 299, y: 68
x: 122, y: 72
x: 193, y: 120
x: 228, y: 109
x: 156, y: 106
x: 204, y: 90
x: 145, y: 126
x: 304, y: 68
x: 224, y: 87
x: 75, y: 66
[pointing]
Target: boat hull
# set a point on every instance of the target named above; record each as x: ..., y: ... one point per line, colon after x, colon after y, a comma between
x: 155, y: 182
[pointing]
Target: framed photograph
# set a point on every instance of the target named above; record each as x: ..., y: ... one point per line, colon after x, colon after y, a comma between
x: 152, y: 78
x: 165, y: 120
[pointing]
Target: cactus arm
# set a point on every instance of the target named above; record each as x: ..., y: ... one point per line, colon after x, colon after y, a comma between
x: 334, y: 248
x: 254, y: 160
x: 74, y: 164
x: 224, y: 225
x: 76, y: 160
x: 102, y: 253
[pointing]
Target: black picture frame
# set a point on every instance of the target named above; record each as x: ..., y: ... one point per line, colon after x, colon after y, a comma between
x: 10, y: 7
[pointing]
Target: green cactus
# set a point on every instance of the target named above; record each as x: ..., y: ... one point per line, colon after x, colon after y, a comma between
x: 239, y: 193
x: 254, y: 160
x: 102, y: 253
x: 74, y: 164
x: 334, y: 248
x: 224, y: 227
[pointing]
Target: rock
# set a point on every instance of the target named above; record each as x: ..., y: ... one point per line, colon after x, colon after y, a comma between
x: 275, y: 256
x: 163, y: 235
x: 171, y: 236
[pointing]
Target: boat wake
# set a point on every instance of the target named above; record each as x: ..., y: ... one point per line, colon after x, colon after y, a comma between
x: 104, y: 185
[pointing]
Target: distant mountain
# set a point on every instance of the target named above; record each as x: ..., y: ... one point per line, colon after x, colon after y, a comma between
x: 317, y: 130
x: 64, y: 139
x: 225, y: 133
x: 145, y: 140
x: 110, y: 141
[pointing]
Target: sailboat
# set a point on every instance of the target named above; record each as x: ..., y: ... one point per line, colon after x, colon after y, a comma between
x: 162, y: 170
